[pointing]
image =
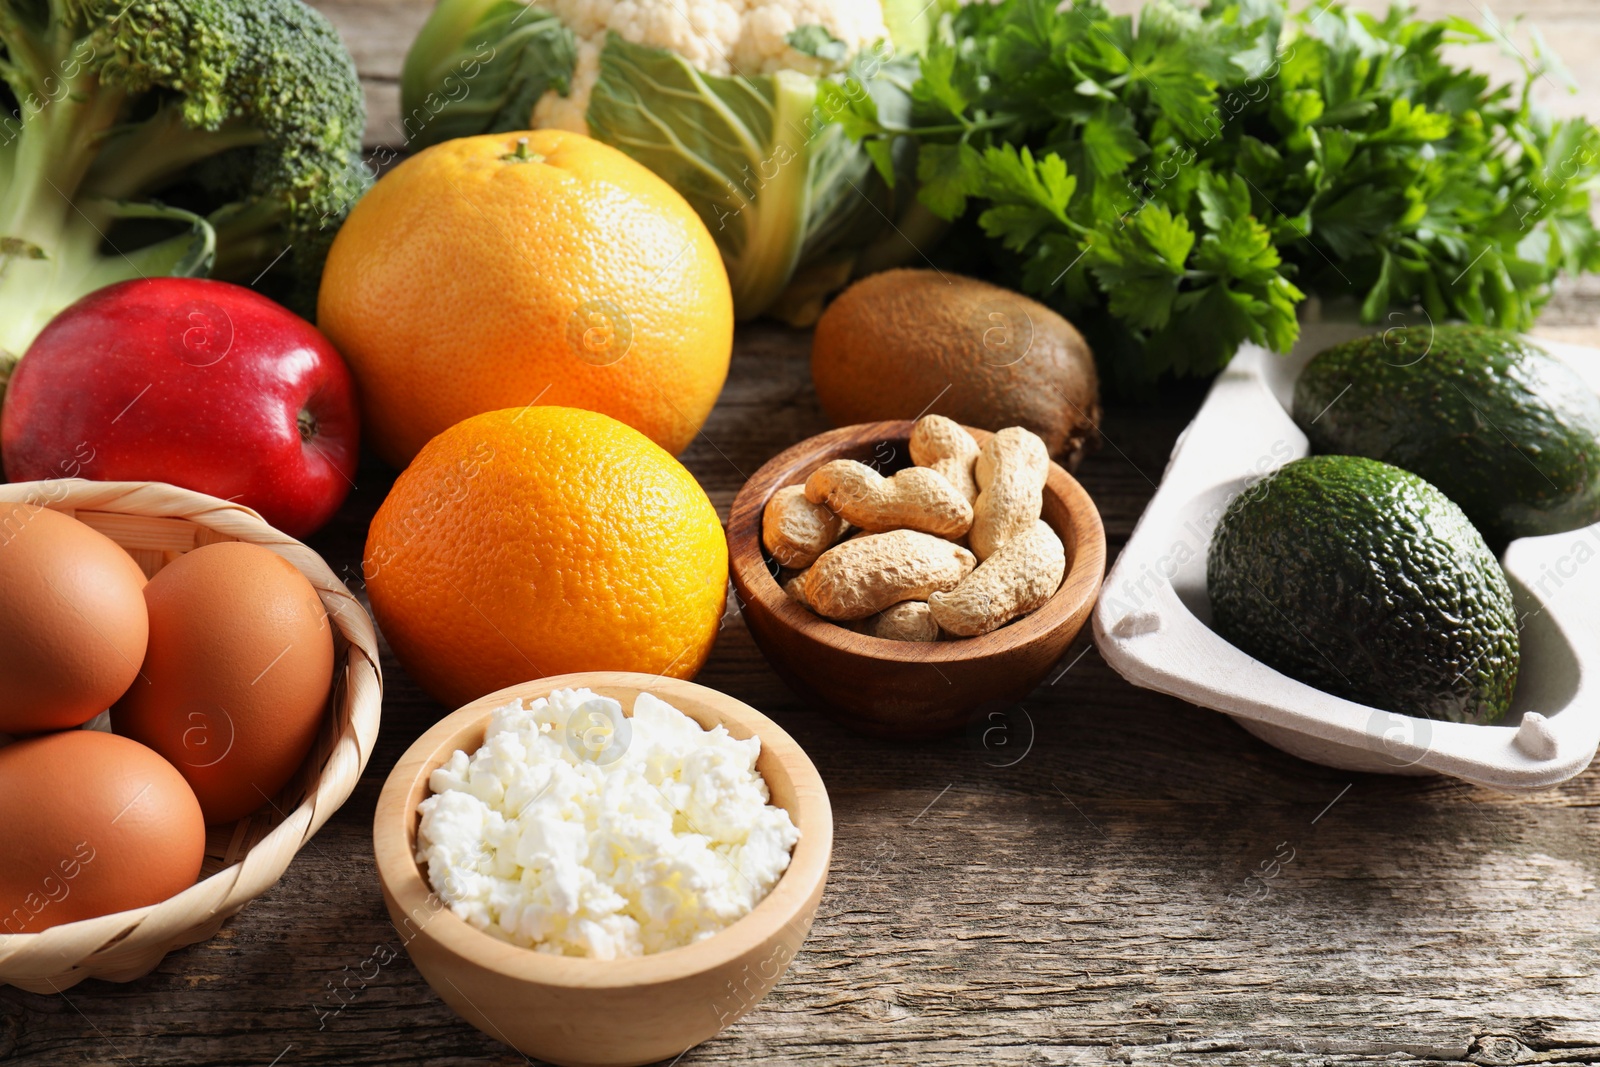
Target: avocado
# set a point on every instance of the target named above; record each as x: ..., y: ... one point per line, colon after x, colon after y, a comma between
x: 1506, y: 430
x: 1363, y: 580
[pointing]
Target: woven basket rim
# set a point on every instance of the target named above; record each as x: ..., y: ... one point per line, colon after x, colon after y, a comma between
x: 128, y: 944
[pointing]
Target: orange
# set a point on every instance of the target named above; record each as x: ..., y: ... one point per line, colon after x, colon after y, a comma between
x: 542, y: 540
x: 480, y: 275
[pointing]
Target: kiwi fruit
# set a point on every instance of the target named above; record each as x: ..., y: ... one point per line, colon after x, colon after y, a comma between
x: 906, y: 343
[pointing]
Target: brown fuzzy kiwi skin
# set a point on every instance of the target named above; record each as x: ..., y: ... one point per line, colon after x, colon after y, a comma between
x: 895, y: 341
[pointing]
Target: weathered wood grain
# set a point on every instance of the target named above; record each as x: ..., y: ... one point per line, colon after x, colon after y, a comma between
x: 1077, y: 891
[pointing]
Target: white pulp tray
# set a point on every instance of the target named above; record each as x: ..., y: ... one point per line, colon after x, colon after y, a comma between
x: 1153, y: 620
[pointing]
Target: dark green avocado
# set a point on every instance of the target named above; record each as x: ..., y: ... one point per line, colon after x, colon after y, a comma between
x: 1506, y: 430
x: 1363, y: 580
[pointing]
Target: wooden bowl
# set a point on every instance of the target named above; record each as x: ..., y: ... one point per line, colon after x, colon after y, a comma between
x: 156, y: 523
x: 898, y: 688
x: 604, y: 1013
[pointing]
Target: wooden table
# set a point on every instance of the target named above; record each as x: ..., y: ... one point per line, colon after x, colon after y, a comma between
x: 1113, y: 877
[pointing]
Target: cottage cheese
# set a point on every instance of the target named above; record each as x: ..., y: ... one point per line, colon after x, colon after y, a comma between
x: 579, y: 832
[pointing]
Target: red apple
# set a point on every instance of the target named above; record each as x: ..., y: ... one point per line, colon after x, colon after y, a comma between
x: 202, y: 384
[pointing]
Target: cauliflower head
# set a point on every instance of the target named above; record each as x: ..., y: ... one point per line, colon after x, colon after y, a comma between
x: 742, y: 37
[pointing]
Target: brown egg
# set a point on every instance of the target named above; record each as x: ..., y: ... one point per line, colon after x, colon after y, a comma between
x: 91, y: 823
x: 72, y: 620
x: 236, y: 678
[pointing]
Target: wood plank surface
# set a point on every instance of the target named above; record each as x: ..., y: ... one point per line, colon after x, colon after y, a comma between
x: 1103, y: 876
x: 1114, y: 877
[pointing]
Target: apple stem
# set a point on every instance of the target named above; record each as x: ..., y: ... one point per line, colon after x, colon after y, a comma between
x: 307, y: 423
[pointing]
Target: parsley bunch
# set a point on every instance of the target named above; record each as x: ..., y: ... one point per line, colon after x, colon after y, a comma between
x: 1177, y: 183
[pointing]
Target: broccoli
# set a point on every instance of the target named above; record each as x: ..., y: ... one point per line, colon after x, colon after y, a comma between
x: 168, y: 137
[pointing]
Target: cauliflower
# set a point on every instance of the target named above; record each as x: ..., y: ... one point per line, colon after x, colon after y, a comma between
x: 744, y: 37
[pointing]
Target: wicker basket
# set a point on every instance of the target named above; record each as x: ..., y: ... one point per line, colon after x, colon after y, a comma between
x: 156, y: 523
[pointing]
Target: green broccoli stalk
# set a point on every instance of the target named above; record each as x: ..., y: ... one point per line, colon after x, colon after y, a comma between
x: 168, y: 137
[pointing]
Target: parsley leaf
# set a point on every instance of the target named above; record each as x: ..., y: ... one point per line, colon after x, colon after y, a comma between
x: 1176, y: 182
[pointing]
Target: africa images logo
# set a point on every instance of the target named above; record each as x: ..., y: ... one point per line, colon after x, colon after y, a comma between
x: 598, y: 732
x: 1403, y: 740
x: 600, y: 332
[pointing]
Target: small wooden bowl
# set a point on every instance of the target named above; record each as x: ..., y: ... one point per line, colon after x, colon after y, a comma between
x: 604, y: 1013
x: 898, y: 688
x: 156, y: 523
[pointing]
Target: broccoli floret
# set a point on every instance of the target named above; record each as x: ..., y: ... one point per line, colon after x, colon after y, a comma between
x: 187, y: 137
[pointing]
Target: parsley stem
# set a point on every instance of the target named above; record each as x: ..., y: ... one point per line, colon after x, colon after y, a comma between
x: 994, y: 122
